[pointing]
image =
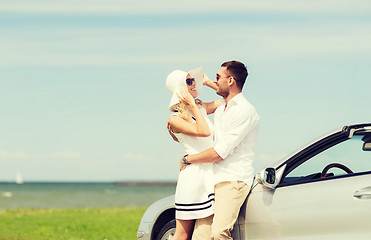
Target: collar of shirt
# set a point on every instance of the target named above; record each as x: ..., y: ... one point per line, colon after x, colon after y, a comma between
x: 233, y: 101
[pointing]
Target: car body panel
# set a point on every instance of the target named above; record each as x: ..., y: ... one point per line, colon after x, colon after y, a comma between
x: 303, y: 210
x: 334, y: 207
x: 151, y: 216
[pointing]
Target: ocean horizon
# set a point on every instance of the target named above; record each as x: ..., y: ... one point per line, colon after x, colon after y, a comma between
x: 73, y: 194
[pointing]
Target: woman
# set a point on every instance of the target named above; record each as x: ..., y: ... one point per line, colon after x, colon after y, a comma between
x: 190, y: 127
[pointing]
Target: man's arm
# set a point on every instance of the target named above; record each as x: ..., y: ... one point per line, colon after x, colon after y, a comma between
x: 210, y: 107
x: 207, y: 156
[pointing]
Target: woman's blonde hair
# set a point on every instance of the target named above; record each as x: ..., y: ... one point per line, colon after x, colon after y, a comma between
x: 183, y: 111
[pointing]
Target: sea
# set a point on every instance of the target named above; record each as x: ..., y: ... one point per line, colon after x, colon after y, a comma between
x: 82, y: 195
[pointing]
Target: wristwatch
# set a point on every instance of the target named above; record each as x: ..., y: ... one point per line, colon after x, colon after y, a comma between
x: 185, y: 159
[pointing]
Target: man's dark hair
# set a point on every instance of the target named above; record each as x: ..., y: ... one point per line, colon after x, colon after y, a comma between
x: 238, y: 71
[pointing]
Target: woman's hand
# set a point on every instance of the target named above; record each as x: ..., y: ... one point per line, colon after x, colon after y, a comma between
x: 186, y: 97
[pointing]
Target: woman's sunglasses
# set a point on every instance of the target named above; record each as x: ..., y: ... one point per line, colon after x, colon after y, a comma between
x: 190, y: 81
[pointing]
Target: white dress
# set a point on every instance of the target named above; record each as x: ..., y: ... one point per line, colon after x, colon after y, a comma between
x: 194, y: 195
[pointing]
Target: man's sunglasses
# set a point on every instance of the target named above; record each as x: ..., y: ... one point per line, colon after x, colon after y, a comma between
x: 190, y: 81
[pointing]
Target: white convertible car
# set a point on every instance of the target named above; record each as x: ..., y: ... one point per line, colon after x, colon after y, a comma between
x: 323, y: 191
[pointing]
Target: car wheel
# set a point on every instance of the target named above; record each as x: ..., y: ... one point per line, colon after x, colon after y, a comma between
x: 167, y: 231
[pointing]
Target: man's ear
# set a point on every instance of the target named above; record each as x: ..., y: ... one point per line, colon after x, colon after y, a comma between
x: 230, y: 81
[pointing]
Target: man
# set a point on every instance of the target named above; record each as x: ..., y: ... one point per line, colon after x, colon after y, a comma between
x: 236, y: 128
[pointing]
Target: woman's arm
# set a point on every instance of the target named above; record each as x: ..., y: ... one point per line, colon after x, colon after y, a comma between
x: 171, y: 132
x: 211, y: 106
x: 199, y: 129
x: 209, y: 83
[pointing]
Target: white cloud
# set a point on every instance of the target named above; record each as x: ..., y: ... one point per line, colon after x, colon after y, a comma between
x: 156, y: 162
x: 3, y: 154
x: 269, y: 158
x: 139, y: 166
x: 185, y: 6
x: 12, y: 155
x: 65, y: 155
x: 19, y: 155
x: 104, y: 46
x: 22, y: 155
x: 314, y: 6
x: 130, y: 156
x: 265, y: 157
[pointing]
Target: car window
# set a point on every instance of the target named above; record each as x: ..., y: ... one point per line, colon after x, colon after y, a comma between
x: 348, y: 153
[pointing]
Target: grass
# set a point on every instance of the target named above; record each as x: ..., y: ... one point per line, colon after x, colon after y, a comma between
x: 70, y: 224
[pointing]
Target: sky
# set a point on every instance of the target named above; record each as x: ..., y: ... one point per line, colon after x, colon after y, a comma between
x: 82, y: 83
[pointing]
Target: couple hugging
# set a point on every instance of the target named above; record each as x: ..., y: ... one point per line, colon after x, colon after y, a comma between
x: 216, y: 172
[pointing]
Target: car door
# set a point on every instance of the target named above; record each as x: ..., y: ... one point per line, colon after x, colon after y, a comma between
x: 306, y: 206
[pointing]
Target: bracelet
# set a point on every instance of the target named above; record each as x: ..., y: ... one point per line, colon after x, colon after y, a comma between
x: 185, y: 160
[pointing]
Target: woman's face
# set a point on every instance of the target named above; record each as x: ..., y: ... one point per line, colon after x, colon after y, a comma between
x: 191, y: 85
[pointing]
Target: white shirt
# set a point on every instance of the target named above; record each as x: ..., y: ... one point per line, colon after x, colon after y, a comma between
x: 236, y: 130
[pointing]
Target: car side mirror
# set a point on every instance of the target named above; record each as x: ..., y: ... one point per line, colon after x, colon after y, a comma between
x: 367, y: 143
x: 270, y: 175
x: 366, y: 146
x: 267, y: 178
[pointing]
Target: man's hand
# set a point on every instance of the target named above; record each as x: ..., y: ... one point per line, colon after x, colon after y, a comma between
x: 182, y: 165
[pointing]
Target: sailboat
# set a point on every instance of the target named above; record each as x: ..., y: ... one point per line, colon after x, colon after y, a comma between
x: 18, y: 179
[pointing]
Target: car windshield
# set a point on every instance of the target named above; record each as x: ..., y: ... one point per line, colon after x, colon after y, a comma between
x: 349, y: 153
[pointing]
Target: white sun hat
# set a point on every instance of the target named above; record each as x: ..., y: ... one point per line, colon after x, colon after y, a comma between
x: 177, y: 79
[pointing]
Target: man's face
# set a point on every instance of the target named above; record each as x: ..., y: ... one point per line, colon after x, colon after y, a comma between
x: 221, y: 81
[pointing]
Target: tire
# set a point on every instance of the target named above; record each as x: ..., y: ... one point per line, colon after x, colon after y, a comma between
x: 167, y: 231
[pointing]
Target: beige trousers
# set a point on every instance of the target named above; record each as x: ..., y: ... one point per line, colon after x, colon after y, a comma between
x: 229, y: 197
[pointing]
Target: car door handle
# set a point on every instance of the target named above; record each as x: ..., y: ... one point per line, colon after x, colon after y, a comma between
x: 364, y: 193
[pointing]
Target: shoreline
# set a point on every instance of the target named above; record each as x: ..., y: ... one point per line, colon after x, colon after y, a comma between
x: 150, y: 183
x: 115, y: 183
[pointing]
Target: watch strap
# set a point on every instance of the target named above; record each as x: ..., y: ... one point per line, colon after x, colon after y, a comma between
x: 185, y: 161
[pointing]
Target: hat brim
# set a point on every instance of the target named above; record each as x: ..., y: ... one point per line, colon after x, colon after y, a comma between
x: 177, y: 79
x: 198, y: 75
x: 174, y: 100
